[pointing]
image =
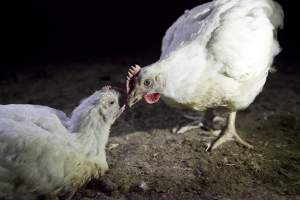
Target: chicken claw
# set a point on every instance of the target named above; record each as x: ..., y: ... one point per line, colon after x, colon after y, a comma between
x: 229, y: 134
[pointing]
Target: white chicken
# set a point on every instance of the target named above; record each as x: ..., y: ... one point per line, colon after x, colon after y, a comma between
x: 40, y: 155
x: 216, y: 55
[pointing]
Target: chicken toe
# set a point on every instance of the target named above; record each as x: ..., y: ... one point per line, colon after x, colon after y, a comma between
x: 190, y: 126
x: 229, y: 134
x: 210, y: 123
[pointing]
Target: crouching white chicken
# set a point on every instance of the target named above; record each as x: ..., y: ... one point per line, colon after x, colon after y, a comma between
x: 216, y: 55
x: 40, y: 155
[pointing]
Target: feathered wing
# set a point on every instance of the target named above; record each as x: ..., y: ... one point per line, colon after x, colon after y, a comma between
x: 46, y: 117
x: 240, y: 35
x: 28, y: 134
x: 245, y: 39
x: 184, y: 29
x: 60, y: 114
x: 23, y: 148
x: 28, y: 161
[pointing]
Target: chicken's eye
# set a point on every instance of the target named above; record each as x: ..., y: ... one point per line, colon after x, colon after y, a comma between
x: 148, y: 82
x: 111, y: 103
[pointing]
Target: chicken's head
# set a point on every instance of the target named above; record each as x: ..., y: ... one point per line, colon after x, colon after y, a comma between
x: 109, y: 104
x: 143, y: 83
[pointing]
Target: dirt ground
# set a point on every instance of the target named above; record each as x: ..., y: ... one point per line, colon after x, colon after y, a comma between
x: 148, y: 161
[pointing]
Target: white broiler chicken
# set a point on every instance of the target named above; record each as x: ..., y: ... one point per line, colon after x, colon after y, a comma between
x: 216, y: 55
x: 43, y: 153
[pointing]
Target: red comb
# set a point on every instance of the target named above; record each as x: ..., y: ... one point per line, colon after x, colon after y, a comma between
x: 132, y: 73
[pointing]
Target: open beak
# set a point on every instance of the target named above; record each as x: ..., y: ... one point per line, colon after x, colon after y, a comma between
x: 134, y: 97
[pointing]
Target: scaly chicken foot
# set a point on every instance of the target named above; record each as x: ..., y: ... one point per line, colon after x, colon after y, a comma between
x: 228, y: 134
x: 190, y: 126
x: 194, y: 125
x: 204, y: 122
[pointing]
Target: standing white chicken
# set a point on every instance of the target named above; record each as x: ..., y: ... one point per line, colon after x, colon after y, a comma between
x: 217, y: 54
x: 40, y: 156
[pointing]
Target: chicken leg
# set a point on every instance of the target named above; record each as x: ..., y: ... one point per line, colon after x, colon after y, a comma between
x: 204, y: 122
x: 228, y: 134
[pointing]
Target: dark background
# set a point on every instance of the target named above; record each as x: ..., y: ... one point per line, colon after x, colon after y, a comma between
x: 47, y: 32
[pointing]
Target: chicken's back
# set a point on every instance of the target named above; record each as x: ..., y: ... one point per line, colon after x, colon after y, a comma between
x: 49, y: 118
